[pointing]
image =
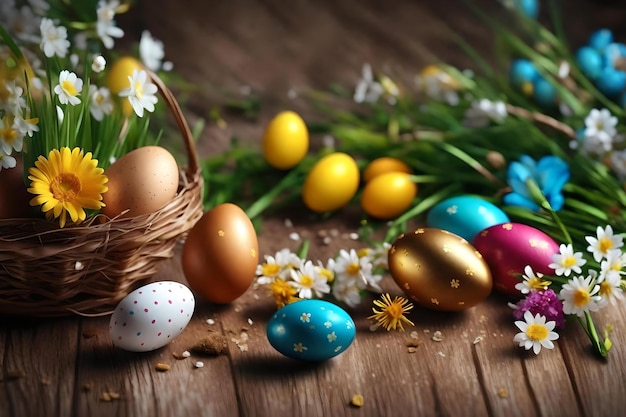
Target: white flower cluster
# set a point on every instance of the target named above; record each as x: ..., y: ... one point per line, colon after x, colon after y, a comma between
x: 345, y: 276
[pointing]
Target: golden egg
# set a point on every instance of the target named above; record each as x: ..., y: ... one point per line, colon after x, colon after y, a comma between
x: 439, y: 270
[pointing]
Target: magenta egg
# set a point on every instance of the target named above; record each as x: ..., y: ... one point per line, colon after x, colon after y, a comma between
x: 509, y: 247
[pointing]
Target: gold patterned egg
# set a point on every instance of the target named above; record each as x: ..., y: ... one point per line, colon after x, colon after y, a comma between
x: 439, y: 270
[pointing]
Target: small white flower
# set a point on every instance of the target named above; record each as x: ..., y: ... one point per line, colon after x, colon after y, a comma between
x: 69, y: 88
x: 532, y: 281
x: 580, y: 296
x: 14, y: 102
x: 10, y: 136
x: 53, y: 39
x: 26, y: 127
x: 308, y: 281
x: 347, y: 293
x: 100, y: 103
x: 141, y: 92
x: 6, y: 161
x: 151, y: 51
x: 106, y: 26
x: 604, y: 242
x: 98, y: 64
x: 612, y: 265
x: 367, y: 90
x: 484, y: 111
x: 566, y: 261
x: 355, y: 270
x: 277, y: 266
x: 535, y: 332
x: 600, y: 130
x: 611, y: 290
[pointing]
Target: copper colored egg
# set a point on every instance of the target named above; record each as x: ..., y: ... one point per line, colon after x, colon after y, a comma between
x: 220, y: 254
x: 439, y: 270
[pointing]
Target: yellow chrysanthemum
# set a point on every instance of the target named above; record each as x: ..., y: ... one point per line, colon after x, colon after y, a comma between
x: 283, y: 292
x: 392, y: 314
x: 68, y: 182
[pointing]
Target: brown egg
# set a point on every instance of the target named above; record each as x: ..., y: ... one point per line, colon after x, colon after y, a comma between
x: 439, y: 270
x: 220, y: 254
x: 14, y: 197
x: 142, y: 182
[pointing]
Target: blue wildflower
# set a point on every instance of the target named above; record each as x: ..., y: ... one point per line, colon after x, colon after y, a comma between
x: 549, y: 175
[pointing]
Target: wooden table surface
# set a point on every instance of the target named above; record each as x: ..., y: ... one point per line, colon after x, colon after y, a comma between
x: 69, y: 366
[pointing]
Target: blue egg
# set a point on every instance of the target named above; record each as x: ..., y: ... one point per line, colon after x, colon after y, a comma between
x: 465, y: 216
x: 544, y: 93
x: 522, y: 73
x: 600, y: 39
x: 589, y: 61
x: 611, y: 82
x: 311, y: 330
x: 529, y: 7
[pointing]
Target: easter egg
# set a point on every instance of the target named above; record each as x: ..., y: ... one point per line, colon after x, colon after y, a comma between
x: 383, y: 165
x: 465, y: 215
x: 285, y: 140
x: 331, y: 183
x: 151, y: 316
x: 311, y: 330
x: 388, y: 195
x: 140, y: 182
x: 220, y: 254
x: 439, y: 270
x: 509, y: 247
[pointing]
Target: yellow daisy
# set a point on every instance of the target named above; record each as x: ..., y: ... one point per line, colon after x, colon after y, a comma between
x: 392, y: 314
x: 283, y: 292
x: 68, y: 182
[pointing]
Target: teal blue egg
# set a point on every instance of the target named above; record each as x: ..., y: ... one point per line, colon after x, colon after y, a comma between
x: 590, y: 61
x: 465, y: 216
x: 544, y: 93
x: 521, y: 73
x: 311, y: 330
x: 600, y: 39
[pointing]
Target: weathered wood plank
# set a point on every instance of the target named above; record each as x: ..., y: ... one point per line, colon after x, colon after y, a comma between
x: 38, y: 366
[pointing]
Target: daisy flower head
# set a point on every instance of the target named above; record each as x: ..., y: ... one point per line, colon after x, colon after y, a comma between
x: 151, y: 51
x: 100, y: 102
x: 391, y: 315
x: 368, y: 90
x: 98, y: 64
x: 356, y: 270
x: 581, y: 295
x: 277, y: 266
x: 612, y: 265
x: 604, y: 241
x: 10, y: 136
x: 600, y: 129
x: 308, y: 281
x: 535, y: 332
x: 106, y: 26
x: 67, y: 183
x: 611, y: 289
x: 53, y: 39
x: 69, y: 88
x: 6, y: 161
x: 141, y: 92
x: 532, y: 281
x: 566, y: 261
x: 347, y: 292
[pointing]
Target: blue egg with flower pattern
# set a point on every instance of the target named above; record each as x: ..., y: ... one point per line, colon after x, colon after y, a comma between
x: 465, y: 216
x: 311, y: 330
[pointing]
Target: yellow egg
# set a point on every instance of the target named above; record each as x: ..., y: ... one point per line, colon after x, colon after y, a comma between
x: 220, y: 254
x: 285, y: 141
x: 439, y: 270
x: 332, y: 183
x: 142, y: 181
x: 383, y: 165
x: 388, y: 195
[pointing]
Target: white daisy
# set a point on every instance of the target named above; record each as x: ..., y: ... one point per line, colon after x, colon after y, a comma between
x: 355, y: 270
x: 600, y: 130
x: 151, y: 51
x: 277, y: 266
x: 532, y: 281
x: 106, y: 26
x: 566, y: 261
x: 367, y: 90
x: 308, y: 281
x: 611, y: 289
x: 346, y: 293
x: 98, y: 64
x: 69, y: 88
x: 53, y: 39
x: 100, y: 102
x: 605, y: 241
x: 580, y: 295
x: 10, y: 136
x: 484, y: 111
x: 612, y: 265
x: 535, y: 332
x: 26, y: 127
x: 141, y: 92
x: 6, y: 161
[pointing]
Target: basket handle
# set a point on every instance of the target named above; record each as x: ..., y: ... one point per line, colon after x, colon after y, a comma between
x: 183, y: 126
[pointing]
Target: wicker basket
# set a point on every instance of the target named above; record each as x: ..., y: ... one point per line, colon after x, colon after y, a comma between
x: 46, y: 271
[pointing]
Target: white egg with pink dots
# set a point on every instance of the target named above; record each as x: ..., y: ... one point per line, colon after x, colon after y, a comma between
x: 151, y: 316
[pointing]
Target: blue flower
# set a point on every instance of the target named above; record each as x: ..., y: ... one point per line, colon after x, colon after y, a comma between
x: 550, y: 174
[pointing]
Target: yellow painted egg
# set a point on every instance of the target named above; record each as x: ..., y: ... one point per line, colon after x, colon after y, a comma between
x: 388, y: 195
x: 221, y: 254
x: 142, y: 181
x: 332, y: 183
x: 439, y: 270
x: 285, y: 140
x: 383, y: 165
